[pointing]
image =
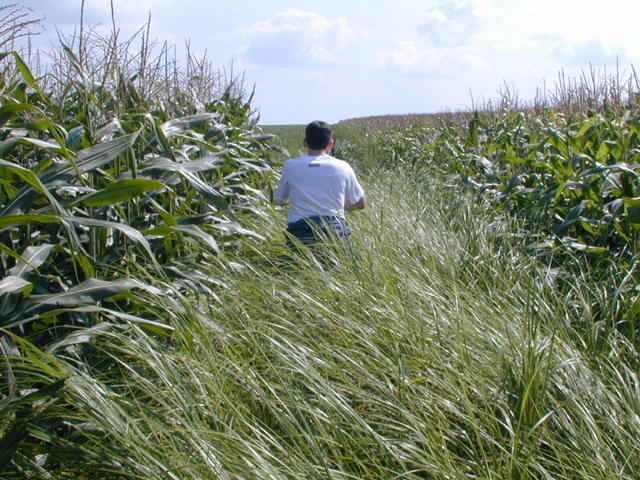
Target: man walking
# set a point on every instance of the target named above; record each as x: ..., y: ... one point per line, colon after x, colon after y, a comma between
x: 318, y: 189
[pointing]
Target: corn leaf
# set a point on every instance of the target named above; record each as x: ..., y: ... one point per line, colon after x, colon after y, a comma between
x: 31, y: 259
x: 8, y: 110
x: 33, y: 183
x: 179, y: 125
x: 26, y: 73
x: 83, y: 335
x: 89, y: 291
x: 121, y: 191
x: 13, y: 284
x: 151, y: 325
x: 132, y: 233
x: 88, y: 159
x: 197, y: 232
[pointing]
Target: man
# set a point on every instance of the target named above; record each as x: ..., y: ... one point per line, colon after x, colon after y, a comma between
x: 318, y: 189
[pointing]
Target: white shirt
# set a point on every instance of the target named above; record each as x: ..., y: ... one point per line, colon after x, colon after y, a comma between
x: 317, y: 186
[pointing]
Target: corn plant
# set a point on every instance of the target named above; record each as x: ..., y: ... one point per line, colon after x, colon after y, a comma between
x: 90, y: 187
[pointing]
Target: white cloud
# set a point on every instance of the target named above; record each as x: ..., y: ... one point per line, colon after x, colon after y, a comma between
x: 487, y: 37
x: 130, y: 16
x: 449, y: 41
x: 594, y: 52
x: 571, y: 30
x: 451, y: 23
x: 294, y: 38
x: 407, y: 57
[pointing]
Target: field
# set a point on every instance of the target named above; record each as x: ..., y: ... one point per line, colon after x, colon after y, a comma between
x: 289, y: 138
x: 487, y: 327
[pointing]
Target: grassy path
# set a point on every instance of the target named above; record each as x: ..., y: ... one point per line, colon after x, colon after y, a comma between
x: 442, y: 353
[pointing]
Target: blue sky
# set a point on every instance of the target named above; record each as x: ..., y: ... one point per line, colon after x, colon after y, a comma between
x: 340, y: 59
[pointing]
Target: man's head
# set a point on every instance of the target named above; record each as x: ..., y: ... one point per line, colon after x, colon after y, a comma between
x: 318, y: 135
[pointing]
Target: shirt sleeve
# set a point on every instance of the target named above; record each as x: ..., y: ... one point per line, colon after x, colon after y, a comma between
x: 282, y: 192
x: 354, y: 190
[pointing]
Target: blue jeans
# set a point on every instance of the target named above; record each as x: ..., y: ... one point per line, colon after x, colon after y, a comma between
x: 318, y: 230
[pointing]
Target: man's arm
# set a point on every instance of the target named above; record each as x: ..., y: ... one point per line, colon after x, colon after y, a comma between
x: 359, y: 205
x: 279, y: 200
x: 281, y: 195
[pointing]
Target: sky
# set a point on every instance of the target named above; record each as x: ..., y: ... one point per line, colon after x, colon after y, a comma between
x: 338, y: 59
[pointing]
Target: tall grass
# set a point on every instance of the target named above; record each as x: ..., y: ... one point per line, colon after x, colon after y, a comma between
x: 443, y: 352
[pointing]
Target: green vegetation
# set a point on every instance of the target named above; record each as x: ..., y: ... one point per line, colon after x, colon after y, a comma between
x: 148, y: 329
x: 571, y: 182
x: 289, y: 139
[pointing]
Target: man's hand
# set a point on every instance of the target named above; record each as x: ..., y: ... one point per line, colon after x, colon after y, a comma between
x: 359, y: 205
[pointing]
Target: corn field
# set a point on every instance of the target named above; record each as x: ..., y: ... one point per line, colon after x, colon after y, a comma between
x: 572, y: 182
x: 102, y: 179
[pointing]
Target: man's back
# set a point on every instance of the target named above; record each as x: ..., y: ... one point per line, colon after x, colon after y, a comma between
x: 317, y: 186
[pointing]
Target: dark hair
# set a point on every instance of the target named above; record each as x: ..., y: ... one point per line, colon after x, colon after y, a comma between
x: 318, y: 135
